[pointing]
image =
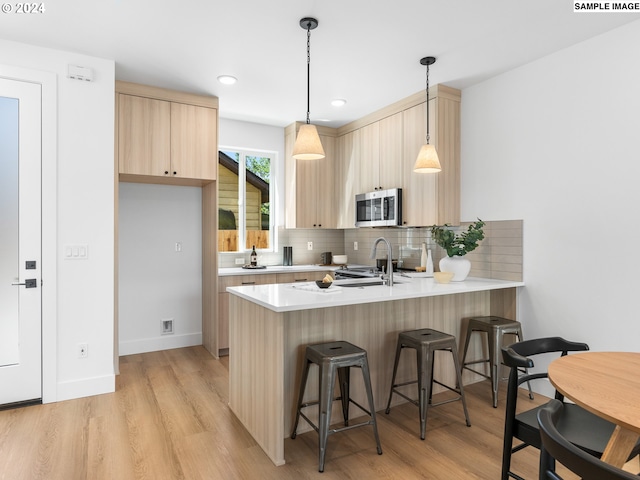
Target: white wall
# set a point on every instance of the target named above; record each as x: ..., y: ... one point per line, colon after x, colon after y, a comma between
x: 82, y: 310
x: 555, y: 143
x: 155, y: 281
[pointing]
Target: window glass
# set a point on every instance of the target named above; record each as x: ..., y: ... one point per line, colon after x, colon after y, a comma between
x: 244, y: 195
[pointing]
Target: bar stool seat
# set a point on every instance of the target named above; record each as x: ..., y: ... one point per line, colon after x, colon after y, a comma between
x: 426, y: 342
x: 330, y: 357
x: 495, y: 328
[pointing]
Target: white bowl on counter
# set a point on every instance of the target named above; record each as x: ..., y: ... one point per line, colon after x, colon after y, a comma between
x: 340, y: 259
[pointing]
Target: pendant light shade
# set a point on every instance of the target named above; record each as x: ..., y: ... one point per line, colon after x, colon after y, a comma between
x: 427, y: 161
x: 308, y: 145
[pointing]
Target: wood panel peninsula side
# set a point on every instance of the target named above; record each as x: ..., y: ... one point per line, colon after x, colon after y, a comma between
x: 270, y: 325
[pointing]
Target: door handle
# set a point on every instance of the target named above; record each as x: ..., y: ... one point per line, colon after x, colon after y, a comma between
x: 28, y: 283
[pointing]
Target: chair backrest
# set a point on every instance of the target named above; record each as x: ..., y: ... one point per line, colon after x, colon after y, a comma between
x: 517, y: 356
x: 555, y: 446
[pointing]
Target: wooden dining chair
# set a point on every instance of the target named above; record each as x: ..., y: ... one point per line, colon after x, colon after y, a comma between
x: 587, y: 431
x: 556, y: 447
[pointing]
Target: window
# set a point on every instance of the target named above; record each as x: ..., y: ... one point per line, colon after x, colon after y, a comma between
x: 245, y: 200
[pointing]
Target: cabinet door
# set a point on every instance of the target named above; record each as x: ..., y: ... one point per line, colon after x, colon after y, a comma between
x: 194, y: 142
x: 348, y: 147
x: 326, y: 179
x: 369, y: 159
x: 391, y: 152
x: 240, y: 280
x: 306, y: 193
x: 315, y: 189
x: 143, y: 136
x: 419, y: 194
x: 300, y: 277
x: 223, y: 321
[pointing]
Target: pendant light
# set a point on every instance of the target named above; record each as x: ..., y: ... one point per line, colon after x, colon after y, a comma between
x: 308, y: 145
x: 427, y: 161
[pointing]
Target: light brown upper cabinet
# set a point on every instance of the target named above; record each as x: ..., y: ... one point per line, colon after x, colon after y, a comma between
x: 391, y: 151
x: 144, y: 131
x: 310, y: 185
x: 369, y: 159
x: 348, y: 182
x: 165, y: 136
x: 382, y: 157
x: 419, y: 194
x: 194, y: 151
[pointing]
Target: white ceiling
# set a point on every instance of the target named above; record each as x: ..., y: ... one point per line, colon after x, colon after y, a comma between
x: 365, y: 51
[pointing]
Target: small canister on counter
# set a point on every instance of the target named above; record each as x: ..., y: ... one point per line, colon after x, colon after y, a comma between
x: 287, y: 256
x: 326, y: 258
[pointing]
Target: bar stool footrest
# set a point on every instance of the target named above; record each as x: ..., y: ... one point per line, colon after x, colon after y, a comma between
x: 407, y: 398
x: 482, y: 374
x: 454, y: 390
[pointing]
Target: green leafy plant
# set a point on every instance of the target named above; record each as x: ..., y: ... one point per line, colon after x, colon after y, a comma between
x: 458, y: 244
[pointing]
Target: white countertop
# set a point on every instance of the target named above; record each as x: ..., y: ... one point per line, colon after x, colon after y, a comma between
x: 287, y: 297
x: 225, y: 272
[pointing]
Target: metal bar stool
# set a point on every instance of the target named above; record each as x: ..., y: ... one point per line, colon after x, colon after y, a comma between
x: 495, y: 328
x: 331, y: 357
x: 426, y: 341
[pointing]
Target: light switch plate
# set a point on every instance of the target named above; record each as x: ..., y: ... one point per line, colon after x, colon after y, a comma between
x: 75, y: 251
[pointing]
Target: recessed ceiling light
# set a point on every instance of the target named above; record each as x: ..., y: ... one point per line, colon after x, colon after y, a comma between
x: 338, y: 102
x: 227, y: 79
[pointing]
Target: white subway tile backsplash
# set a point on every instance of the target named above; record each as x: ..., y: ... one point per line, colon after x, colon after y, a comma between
x: 498, y: 256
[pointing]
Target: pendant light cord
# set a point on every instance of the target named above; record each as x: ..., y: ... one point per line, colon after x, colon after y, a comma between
x: 427, y: 88
x: 308, y: 67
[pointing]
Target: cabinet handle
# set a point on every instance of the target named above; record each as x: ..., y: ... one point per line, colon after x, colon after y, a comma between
x: 300, y: 280
x: 166, y: 172
x: 248, y: 283
x: 175, y: 173
x: 319, y: 224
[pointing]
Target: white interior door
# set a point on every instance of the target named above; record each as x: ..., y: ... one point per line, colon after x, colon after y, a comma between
x: 20, y: 242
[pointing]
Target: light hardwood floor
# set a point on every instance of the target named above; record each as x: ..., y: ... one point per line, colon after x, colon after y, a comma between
x: 169, y: 419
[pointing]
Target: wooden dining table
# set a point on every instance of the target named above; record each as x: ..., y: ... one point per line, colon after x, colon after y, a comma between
x: 608, y: 385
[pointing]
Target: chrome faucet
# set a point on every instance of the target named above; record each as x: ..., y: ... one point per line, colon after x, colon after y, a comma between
x: 389, y: 255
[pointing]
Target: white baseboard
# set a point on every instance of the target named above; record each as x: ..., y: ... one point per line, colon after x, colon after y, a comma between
x: 165, y: 342
x: 86, y: 387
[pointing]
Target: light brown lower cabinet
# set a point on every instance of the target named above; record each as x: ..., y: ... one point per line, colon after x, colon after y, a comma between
x: 260, y: 279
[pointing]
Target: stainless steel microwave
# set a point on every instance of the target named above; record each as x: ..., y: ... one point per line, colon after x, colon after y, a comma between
x: 382, y: 208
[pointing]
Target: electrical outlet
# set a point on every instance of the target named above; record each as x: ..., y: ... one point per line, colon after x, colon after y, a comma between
x: 178, y: 246
x: 309, y: 245
x: 83, y: 350
x: 239, y: 261
x: 355, y: 245
x: 167, y: 326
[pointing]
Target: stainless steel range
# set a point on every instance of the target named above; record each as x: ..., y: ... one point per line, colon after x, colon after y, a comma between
x: 356, y: 271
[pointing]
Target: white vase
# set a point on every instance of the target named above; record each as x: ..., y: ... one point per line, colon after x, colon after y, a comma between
x: 459, y: 266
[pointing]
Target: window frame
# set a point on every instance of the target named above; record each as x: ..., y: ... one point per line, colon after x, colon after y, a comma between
x: 242, y: 195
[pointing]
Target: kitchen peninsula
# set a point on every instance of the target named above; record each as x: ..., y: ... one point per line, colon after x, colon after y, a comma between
x: 270, y: 325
